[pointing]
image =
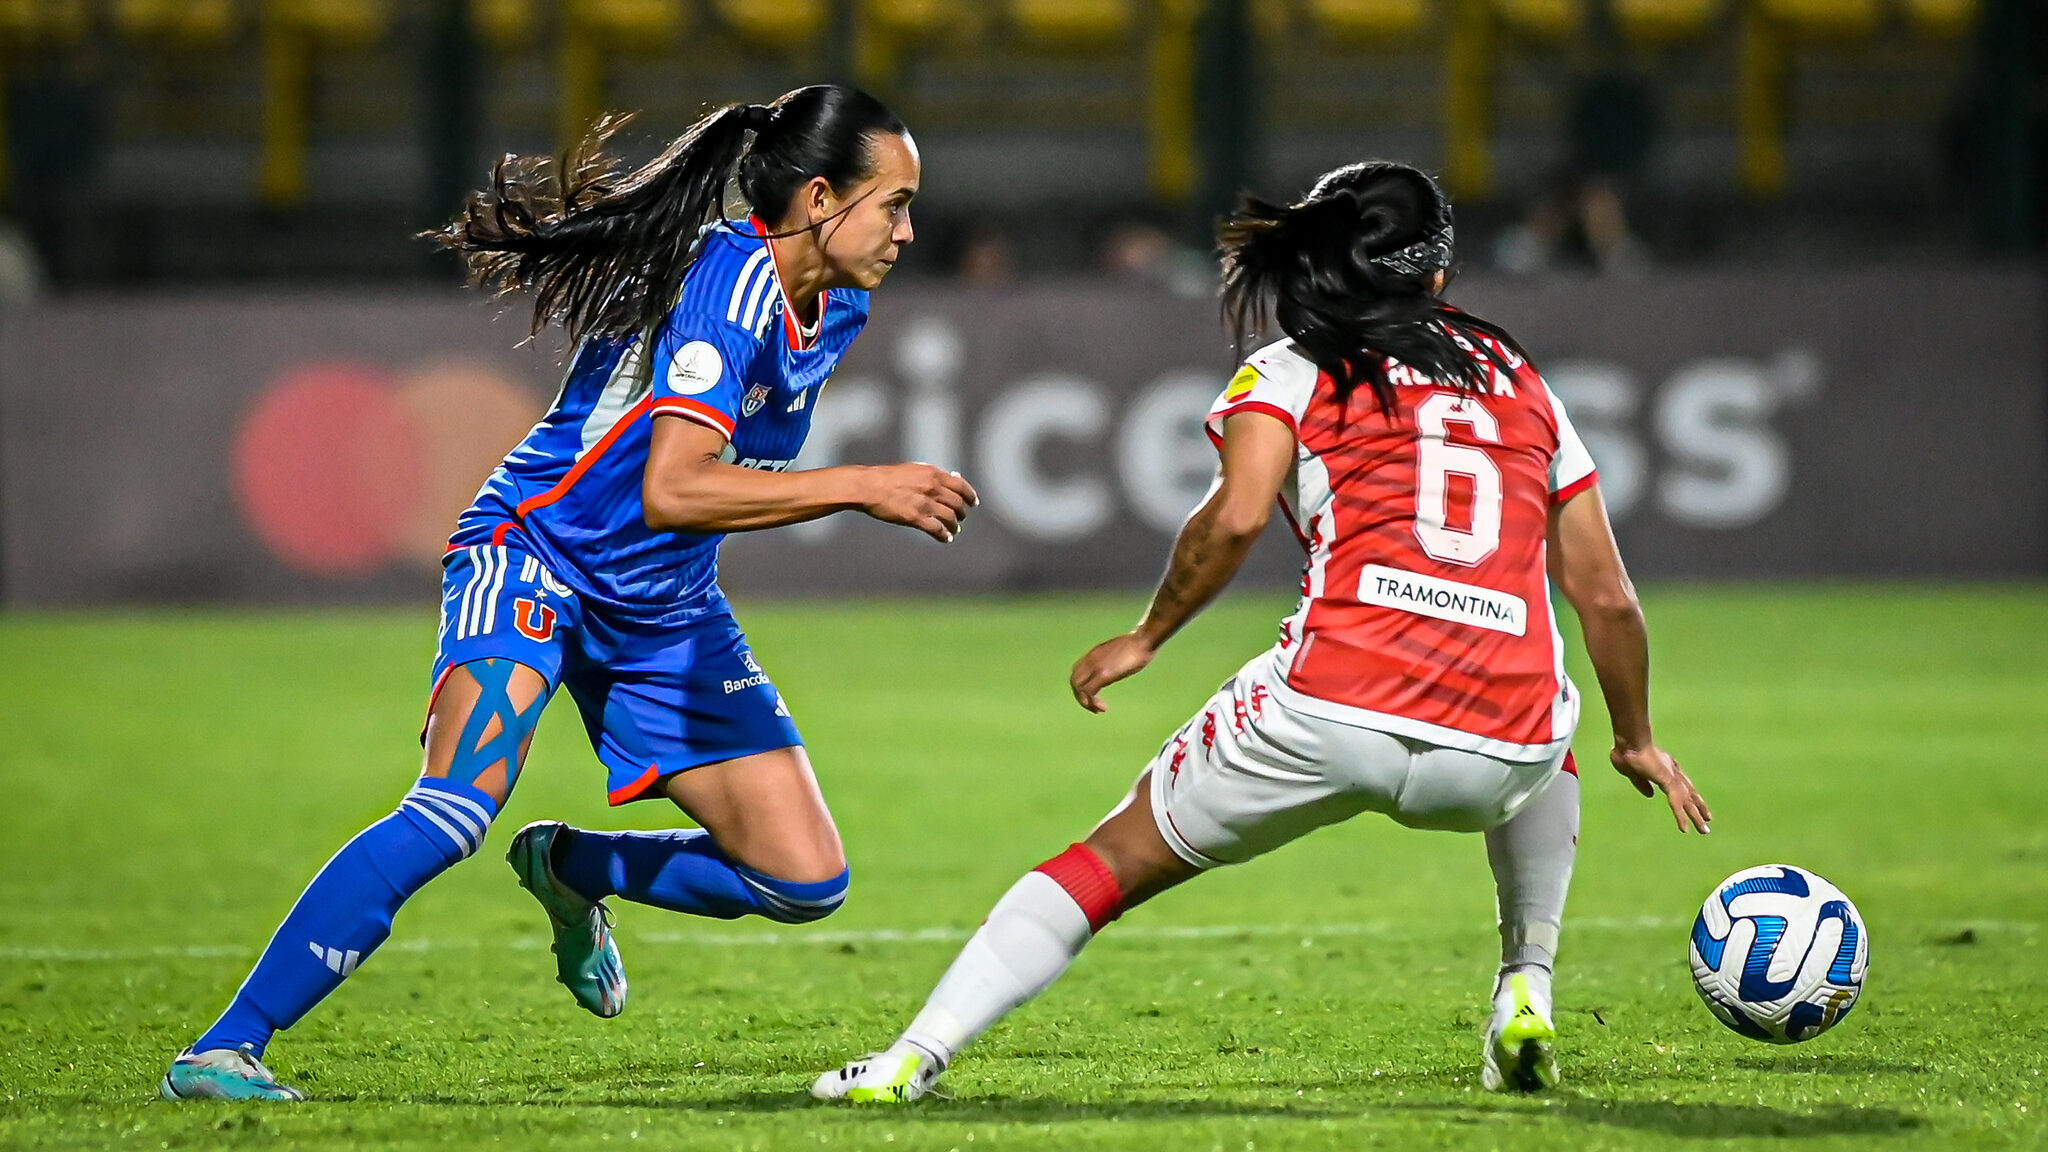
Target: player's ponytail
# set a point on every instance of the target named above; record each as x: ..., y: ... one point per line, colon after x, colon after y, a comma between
x: 605, y: 252
x: 1349, y: 274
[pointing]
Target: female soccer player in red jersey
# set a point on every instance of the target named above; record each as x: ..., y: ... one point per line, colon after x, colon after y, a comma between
x: 590, y: 558
x: 1435, y: 484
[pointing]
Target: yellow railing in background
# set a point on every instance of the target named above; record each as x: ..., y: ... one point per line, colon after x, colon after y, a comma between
x: 1170, y: 106
x: 503, y: 25
x: 1468, y: 99
x: 779, y: 25
x: 590, y: 28
x: 1941, y: 19
x: 1767, y: 31
x: 1072, y: 23
x: 1474, y: 36
x: 883, y: 29
x: 176, y: 22
x: 293, y: 31
x: 1367, y: 21
x: 1662, y: 22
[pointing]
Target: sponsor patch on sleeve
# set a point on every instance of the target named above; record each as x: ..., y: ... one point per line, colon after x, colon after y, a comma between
x: 1240, y: 384
x: 696, y: 367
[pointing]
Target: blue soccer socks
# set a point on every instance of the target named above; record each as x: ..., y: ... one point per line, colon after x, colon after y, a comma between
x: 345, y: 913
x: 684, y: 870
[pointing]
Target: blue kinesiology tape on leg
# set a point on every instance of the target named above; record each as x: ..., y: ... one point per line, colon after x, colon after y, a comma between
x: 345, y: 913
x: 684, y: 870
x: 474, y: 754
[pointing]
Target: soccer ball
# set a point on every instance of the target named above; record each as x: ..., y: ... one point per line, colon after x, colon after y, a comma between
x: 1778, y: 954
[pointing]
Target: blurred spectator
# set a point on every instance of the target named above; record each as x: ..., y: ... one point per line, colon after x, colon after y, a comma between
x: 986, y: 258
x: 21, y: 272
x: 1584, y: 221
x: 1137, y: 252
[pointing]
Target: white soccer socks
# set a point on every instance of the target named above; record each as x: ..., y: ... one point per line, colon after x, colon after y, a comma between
x: 1029, y: 938
x: 1532, y: 858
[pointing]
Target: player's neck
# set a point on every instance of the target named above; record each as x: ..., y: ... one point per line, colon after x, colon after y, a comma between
x: 800, y: 268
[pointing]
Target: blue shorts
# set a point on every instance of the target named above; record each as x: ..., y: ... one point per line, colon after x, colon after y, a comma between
x: 656, y: 698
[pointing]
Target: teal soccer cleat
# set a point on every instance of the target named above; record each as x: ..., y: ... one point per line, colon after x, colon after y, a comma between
x: 586, y: 958
x: 222, y: 1074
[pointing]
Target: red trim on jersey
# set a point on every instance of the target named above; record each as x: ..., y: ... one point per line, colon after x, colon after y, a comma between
x: 576, y: 472
x: 791, y: 331
x: 1273, y: 410
x: 497, y: 537
x: 434, y: 694
x: 1292, y: 526
x: 1089, y: 881
x: 1575, y: 487
x: 1570, y: 765
x: 695, y: 410
x: 633, y: 791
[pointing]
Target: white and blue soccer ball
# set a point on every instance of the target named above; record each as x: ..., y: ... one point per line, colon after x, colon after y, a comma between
x: 1779, y: 954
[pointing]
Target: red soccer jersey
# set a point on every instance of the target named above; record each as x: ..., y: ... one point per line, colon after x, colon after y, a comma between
x: 1425, y: 607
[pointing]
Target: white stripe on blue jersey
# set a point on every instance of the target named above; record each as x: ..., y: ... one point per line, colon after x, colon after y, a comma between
x: 572, y: 489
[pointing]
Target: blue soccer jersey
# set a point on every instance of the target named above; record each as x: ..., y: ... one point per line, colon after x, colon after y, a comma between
x: 731, y: 357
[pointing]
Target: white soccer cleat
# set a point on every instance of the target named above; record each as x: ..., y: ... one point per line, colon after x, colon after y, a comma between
x: 1520, y: 1038
x: 902, y: 1074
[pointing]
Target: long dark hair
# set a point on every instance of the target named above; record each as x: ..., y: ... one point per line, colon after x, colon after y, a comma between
x: 604, y: 251
x: 1348, y: 273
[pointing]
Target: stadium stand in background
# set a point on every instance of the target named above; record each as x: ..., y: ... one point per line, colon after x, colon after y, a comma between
x: 159, y: 141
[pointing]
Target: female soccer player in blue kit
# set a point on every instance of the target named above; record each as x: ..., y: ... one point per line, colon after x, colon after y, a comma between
x: 590, y: 558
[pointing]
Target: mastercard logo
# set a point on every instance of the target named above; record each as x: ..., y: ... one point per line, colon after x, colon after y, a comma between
x: 344, y: 469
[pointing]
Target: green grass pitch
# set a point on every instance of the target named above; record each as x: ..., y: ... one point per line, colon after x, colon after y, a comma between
x: 172, y: 779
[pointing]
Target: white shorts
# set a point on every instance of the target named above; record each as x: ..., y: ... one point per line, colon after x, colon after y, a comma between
x: 1249, y: 774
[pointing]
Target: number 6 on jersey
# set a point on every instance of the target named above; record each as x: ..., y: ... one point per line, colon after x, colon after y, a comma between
x: 1436, y: 461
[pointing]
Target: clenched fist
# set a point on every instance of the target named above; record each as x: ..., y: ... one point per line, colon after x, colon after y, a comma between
x: 931, y: 500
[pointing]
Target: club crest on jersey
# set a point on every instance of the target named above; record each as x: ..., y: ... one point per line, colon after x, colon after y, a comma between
x: 756, y: 397
x: 535, y: 621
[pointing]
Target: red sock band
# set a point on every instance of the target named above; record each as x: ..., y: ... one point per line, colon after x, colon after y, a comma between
x: 1570, y: 765
x: 1089, y: 881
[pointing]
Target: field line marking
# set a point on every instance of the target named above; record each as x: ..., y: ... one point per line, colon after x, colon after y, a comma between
x: 1306, y: 932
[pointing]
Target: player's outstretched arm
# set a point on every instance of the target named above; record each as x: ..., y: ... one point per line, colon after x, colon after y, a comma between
x: 1258, y: 452
x: 1586, y: 566
x: 687, y: 488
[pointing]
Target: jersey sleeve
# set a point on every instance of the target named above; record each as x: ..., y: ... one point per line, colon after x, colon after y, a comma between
x: 713, y: 335
x: 1571, y: 469
x: 1275, y: 380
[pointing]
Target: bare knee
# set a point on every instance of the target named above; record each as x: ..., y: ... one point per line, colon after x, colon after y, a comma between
x: 1136, y: 854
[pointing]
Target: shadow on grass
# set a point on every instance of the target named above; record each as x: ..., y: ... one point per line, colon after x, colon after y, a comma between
x: 1693, y: 1120
x: 1704, y: 1119
x: 1828, y: 1064
x: 1017, y: 1109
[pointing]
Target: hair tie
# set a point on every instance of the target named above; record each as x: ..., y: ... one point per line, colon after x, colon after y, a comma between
x: 756, y: 116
